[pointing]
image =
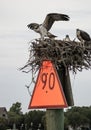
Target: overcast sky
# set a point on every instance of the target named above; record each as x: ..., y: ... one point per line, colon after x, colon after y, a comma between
x: 14, y: 38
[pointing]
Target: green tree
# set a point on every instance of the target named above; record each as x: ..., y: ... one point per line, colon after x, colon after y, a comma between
x: 3, y: 123
x: 15, y: 115
x: 35, y: 117
x: 16, y: 108
x: 77, y: 116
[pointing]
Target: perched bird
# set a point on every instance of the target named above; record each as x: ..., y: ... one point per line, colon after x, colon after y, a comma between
x: 82, y: 35
x: 67, y: 38
x: 43, y: 28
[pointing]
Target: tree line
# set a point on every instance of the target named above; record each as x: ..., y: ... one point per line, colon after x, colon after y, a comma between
x: 78, y: 117
x: 35, y: 119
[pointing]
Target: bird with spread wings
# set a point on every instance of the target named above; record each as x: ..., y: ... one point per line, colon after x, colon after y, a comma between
x: 43, y: 29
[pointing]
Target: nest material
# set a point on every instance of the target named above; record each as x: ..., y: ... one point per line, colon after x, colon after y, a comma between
x: 70, y: 54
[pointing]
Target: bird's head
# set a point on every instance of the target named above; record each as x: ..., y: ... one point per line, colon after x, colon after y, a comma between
x: 33, y: 26
x: 77, y: 30
x: 67, y: 36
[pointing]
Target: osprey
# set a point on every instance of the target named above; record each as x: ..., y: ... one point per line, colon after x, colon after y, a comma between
x: 82, y: 35
x: 43, y: 28
x: 67, y: 38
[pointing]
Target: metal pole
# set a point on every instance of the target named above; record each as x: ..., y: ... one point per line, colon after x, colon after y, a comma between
x: 66, y: 84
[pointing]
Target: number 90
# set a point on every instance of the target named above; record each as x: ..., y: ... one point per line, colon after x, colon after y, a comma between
x: 50, y: 78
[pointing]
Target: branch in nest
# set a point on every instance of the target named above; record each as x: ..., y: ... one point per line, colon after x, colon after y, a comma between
x: 72, y: 55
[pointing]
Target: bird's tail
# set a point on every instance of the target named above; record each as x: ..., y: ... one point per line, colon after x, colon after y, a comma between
x: 50, y: 35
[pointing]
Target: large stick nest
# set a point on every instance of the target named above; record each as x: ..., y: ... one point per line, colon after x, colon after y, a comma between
x: 70, y: 54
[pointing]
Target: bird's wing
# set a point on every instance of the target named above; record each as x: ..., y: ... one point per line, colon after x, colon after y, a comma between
x: 85, y: 35
x: 52, y: 17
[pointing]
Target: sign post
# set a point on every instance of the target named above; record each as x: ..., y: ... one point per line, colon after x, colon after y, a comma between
x: 55, y: 117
